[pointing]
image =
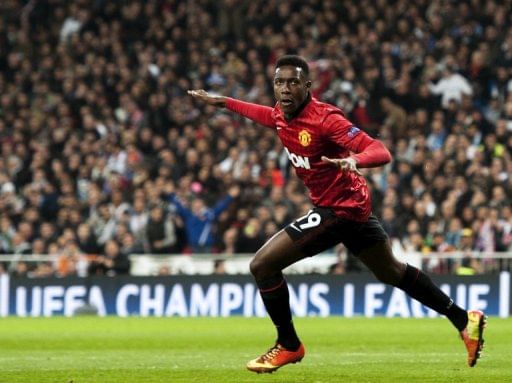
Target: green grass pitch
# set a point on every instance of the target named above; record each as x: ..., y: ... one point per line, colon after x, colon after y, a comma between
x: 210, y: 350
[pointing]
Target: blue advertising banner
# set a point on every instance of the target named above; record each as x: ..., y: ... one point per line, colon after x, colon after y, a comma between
x: 310, y: 295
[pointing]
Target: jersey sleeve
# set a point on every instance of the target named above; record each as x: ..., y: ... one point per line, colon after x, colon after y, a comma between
x: 257, y: 113
x: 369, y: 152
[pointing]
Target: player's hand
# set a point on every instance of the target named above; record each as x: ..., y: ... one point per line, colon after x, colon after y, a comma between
x: 204, y: 96
x: 344, y: 164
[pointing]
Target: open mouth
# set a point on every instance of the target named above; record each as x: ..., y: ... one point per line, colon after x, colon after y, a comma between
x: 286, y: 102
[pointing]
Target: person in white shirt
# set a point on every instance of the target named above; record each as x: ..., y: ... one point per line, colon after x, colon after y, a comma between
x: 452, y: 86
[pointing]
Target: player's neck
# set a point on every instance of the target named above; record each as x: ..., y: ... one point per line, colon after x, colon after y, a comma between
x: 291, y: 116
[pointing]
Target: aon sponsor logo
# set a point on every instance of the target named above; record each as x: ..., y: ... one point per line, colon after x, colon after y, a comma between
x: 298, y: 161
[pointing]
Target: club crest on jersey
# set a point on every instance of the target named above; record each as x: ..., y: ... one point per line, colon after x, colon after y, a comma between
x: 304, y: 137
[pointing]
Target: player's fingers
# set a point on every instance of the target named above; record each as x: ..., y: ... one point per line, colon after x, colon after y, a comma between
x: 349, y: 166
x: 325, y: 159
x: 353, y: 168
x: 197, y: 92
x: 345, y: 165
x: 334, y: 162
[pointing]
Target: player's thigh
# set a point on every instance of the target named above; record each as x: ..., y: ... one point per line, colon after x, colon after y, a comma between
x: 304, y: 237
x: 370, y: 243
x: 380, y: 260
x: 361, y: 237
x: 319, y: 230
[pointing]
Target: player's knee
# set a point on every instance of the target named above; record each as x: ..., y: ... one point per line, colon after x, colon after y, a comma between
x: 261, y: 268
x: 257, y: 267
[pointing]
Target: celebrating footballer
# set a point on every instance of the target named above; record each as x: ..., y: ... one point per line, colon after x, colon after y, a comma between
x: 327, y: 151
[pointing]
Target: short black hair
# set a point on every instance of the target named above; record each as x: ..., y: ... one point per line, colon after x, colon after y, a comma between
x: 293, y: 60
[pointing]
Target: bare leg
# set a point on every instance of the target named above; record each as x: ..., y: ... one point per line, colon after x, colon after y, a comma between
x: 278, y: 253
x: 381, y: 262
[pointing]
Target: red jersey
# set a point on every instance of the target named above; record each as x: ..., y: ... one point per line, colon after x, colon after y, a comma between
x: 319, y: 130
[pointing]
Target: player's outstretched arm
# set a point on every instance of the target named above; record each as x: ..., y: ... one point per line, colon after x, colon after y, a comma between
x: 258, y: 113
x: 204, y: 96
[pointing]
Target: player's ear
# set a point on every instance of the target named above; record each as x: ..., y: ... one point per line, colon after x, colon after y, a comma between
x: 308, y: 84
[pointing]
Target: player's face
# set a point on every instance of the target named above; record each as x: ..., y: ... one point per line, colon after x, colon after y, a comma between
x: 290, y: 88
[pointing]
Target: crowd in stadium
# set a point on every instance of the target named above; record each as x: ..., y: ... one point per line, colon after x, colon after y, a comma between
x: 103, y: 153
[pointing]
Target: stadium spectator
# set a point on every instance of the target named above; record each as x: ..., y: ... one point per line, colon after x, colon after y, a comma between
x: 229, y: 241
x: 112, y: 263
x: 451, y: 86
x: 160, y: 231
x: 199, y: 219
x: 86, y: 240
x: 129, y: 245
x: 139, y: 219
x: 251, y: 237
x: 20, y: 270
x: 219, y: 267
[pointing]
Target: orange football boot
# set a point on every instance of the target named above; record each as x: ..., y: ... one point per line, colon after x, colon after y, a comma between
x: 472, y: 335
x: 276, y: 357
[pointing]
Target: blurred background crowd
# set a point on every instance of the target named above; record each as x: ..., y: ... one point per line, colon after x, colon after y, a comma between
x: 104, y: 155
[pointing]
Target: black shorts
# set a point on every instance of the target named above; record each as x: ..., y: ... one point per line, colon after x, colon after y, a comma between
x: 321, y: 229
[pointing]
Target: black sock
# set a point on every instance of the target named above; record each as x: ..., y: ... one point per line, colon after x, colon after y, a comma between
x: 274, y: 292
x: 420, y: 287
